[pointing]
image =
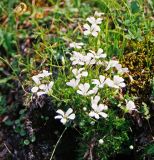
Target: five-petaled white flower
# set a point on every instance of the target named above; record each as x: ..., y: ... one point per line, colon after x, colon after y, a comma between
x: 130, y: 106
x: 94, y: 21
x: 97, y: 108
x: 65, y: 116
x: 78, y: 73
x: 73, y: 83
x: 99, y: 54
x: 77, y: 58
x: 93, y: 30
x: 84, y: 89
x: 76, y: 45
x: 117, y: 82
x: 44, y: 74
x: 99, y: 83
x: 114, y: 63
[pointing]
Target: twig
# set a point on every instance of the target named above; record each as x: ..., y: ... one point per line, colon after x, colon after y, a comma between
x: 8, y: 149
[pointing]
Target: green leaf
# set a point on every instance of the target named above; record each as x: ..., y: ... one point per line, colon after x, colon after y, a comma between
x: 135, y: 7
x: 9, y: 122
x: 22, y: 111
x: 4, y: 80
x: 150, y: 150
x: 22, y: 132
x: 26, y: 142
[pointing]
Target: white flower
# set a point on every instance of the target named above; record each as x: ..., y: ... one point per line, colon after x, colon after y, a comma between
x: 97, y: 109
x: 84, y: 89
x: 89, y: 60
x: 99, y: 83
x: 94, y: 21
x: 98, y: 14
x: 130, y: 106
x: 76, y: 45
x: 65, y: 116
x: 118, y: 82
x: 77, y: 58
x: 111, y: 64
x: 93, y: 30
x: 38, y: 77
x: 120, y: 69
x: 80, y: 73
x: 114, y: 63
x: 73, y: 83
x: 101, y: 141
x: 44, y: 74
x: 92, y: 57
x: 99, y: 54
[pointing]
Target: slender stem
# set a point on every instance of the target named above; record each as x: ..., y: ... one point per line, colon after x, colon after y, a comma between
x: 57, y: 143
x: 14, y: 73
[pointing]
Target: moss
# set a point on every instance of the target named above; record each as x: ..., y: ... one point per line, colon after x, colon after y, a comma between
x: 140, y: 63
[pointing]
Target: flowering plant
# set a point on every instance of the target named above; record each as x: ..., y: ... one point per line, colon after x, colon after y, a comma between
x: 89, y: 91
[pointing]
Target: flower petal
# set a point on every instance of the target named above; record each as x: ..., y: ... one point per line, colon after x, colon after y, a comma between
x: 72, y: 116
x: 92, y: 114
x: 36, y: 79
x: 42, y: 86
x: 103, y: 114
x: 60, y: 112
x: 34, y: 89
x: 58, y: 117
x: 68, y: 112
x: 86, y: 26
x: 63, y: 121
x: 41, y: 93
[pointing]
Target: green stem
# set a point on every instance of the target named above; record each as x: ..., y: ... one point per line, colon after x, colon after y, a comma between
x: 57, y: 143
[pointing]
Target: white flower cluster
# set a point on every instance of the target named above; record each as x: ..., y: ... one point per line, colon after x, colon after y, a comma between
x: 84, y: 89
x: 82, y: 64
x: 41, y: 86
x: 90, y: 58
